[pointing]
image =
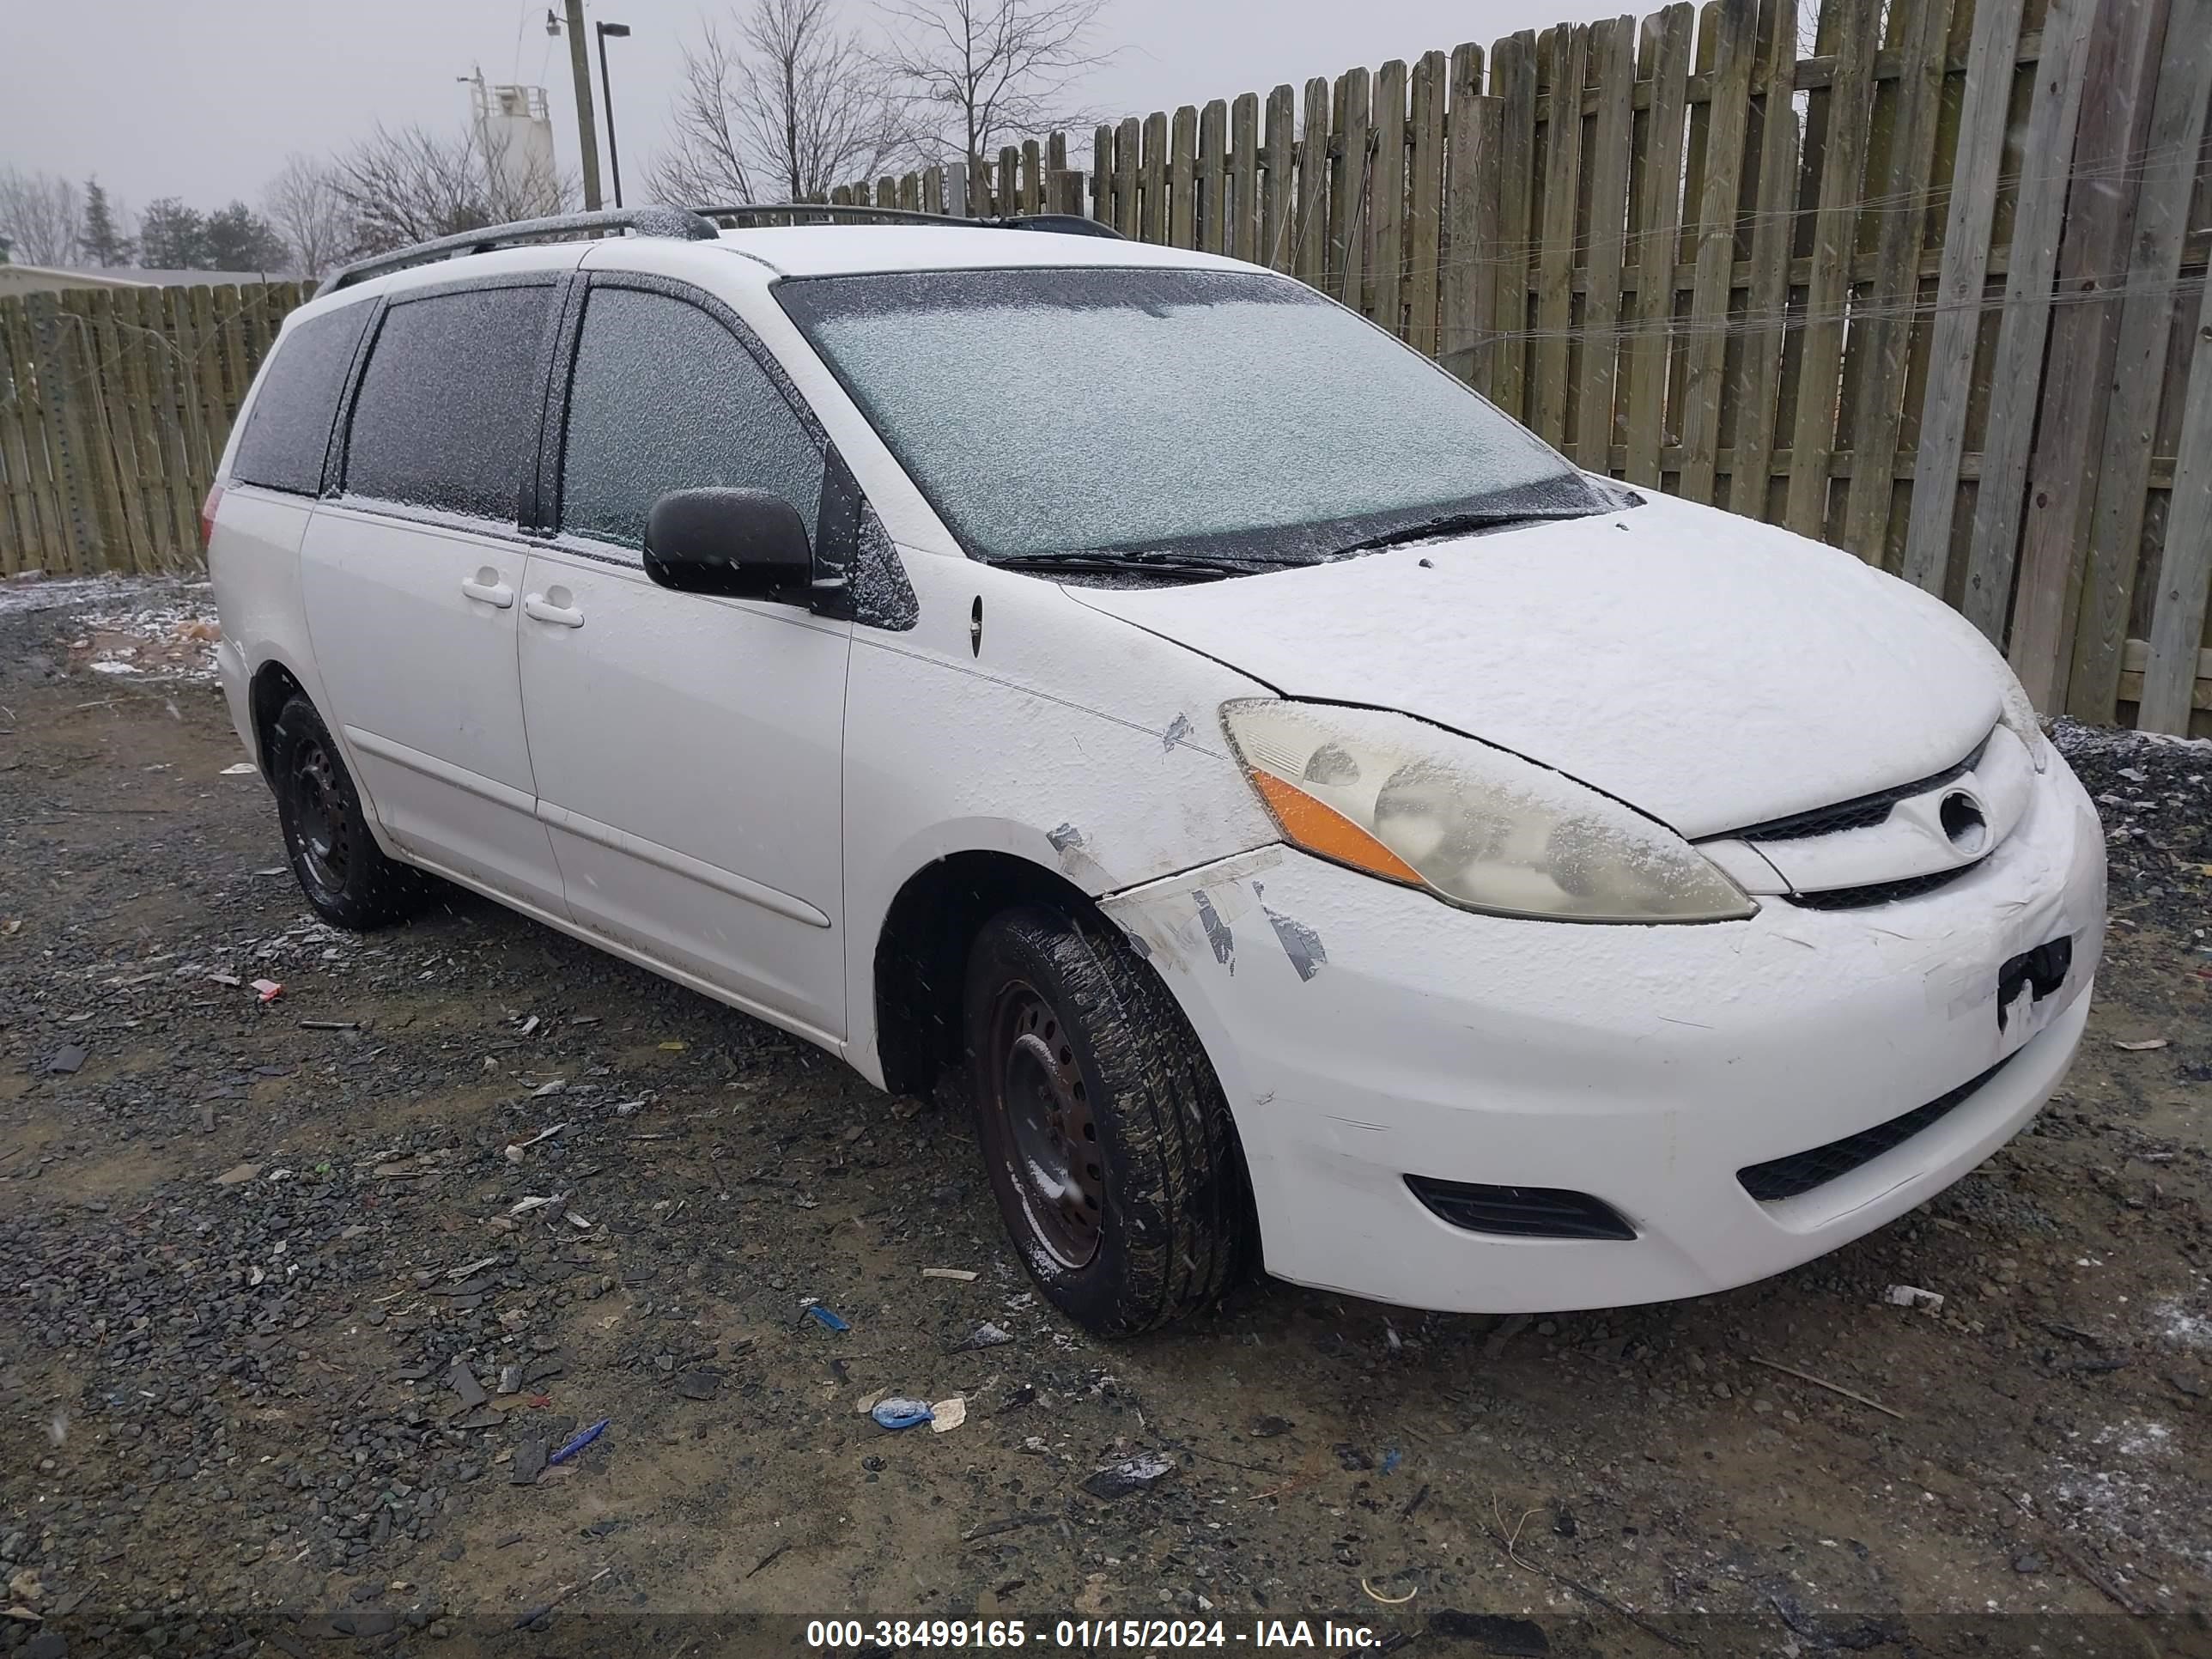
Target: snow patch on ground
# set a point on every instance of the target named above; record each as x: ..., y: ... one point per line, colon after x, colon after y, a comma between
x: 166, y: 631
x: 2075, y: 740
x: 2179, y: 1326
x: 2128, y: 1481
x: 151, y: 630
x: 19, y: 597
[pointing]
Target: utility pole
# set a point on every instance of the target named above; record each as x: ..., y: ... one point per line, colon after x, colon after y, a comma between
x: 587, y: 137
x: 621, y: 31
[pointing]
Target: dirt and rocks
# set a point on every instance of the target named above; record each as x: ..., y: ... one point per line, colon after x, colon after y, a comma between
x: 303, y: 1296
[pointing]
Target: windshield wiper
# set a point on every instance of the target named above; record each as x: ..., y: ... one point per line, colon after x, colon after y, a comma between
x: 1148, y: 564
x: 1460, y: 524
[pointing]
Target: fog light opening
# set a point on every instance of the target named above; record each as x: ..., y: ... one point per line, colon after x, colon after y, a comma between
x: 1960, y: 814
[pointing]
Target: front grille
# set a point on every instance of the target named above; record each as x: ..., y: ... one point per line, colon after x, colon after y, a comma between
x: 1801, y: 1172
x: 1880, y: 892
x: 1520, y: 1211
x: 1860, y: 812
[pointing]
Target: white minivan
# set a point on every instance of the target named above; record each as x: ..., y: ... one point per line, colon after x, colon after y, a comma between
x: 1312, y: 822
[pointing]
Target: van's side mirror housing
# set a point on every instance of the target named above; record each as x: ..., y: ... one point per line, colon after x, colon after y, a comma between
x: 742, y: 544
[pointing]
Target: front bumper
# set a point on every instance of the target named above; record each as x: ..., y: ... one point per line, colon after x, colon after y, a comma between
x: 1365, y: 1032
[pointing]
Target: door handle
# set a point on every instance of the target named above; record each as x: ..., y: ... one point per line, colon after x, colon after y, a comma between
x: 486, y: 588
x: 539, y: 607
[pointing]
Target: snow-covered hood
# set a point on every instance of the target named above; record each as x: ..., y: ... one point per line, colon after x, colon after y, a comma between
x: 1714, y: 671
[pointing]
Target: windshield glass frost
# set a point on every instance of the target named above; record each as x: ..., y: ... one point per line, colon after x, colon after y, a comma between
x: 1057, y: 411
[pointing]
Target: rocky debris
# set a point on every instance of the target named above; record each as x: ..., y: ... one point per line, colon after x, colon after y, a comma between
x: 528, y: 1461
x: 2154, y: 794
x: 1132, y: 1475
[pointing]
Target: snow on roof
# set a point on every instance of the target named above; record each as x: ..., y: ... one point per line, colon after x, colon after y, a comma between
x: 827, y: 249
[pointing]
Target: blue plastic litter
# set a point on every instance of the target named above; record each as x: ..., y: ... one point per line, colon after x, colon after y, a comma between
x: 822, y: 1316
x: 581, y: 1440
x: 902, y: 1414
x: 1391, y: 1459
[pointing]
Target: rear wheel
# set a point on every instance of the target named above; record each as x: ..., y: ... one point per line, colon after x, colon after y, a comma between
x: 1108, y: 1142
x: 340, y: 869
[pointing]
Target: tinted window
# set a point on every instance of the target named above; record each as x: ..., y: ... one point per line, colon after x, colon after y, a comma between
x: 288, y: 431
x: 664, y: 398
x: 448, y: 404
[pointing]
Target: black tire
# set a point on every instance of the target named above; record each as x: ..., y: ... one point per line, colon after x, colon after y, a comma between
x: 1066, y: 1028
x: 340, y: 869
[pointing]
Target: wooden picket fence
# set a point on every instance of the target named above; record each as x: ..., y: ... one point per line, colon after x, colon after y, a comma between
x: 115, y: 406
x: 1930, y: 291
x: 1930, y: 286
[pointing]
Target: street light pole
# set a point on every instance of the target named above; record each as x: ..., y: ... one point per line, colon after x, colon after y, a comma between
x: 621, y: 31
x: 580, y: 61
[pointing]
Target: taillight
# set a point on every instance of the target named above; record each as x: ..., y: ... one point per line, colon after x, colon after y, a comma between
x: 207, y: 514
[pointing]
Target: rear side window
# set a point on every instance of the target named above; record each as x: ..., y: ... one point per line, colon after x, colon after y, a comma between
x: 288, y: 432
x: 448, y: 404
x: 664, y: 398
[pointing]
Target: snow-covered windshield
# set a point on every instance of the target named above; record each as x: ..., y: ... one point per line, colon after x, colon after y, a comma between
x: 1191, y: 413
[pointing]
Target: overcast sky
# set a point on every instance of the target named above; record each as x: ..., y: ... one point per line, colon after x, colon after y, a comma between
x: 202, y: 99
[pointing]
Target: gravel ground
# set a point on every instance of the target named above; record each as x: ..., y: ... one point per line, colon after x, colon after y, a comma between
x: 303, y: 1291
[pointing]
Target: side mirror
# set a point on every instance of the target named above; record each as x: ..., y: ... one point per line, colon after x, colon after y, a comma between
x: 744, y: 544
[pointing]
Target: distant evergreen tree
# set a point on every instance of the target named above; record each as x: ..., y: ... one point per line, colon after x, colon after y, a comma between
x: 172, y: 237
x: 236, y: 238
x: 102, y: 242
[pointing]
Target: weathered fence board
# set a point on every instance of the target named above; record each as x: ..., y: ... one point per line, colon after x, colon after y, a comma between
x: 1467, y: 303
x: 1847, y: 31
x: 1987, y: 97
x: 2184, y: 570
x: 1758, y: 390
x: 1309, y: 263
x: 1276, y: 200
x: 1387, y: 192
x: 2077, y: 380
x: 1613, y: 62
x: 2018, y: 373
x: 1920, y: 29
x: 1728, y: 44
x: 1665, y: 62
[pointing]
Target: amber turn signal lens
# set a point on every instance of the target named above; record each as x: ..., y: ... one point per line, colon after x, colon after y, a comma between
x: 1325, y: 830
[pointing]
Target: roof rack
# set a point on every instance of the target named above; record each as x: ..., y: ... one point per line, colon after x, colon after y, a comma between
x: 645, y: 220
x: 1072, y: 224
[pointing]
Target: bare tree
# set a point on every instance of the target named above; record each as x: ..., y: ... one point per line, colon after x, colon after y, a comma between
x: 41, y: 214
x: 992, y: 71
x: 411, y: 184
x: 304, y: 202
x: 792, y: 106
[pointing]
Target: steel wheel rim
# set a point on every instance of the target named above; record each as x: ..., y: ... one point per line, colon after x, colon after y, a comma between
x: 321, y: 828
x: 1045, y: 1135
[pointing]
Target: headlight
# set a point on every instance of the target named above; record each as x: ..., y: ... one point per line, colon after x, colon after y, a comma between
x: 1476, y: 826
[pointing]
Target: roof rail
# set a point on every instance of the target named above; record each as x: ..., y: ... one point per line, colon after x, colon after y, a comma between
x: 645, y: 220
x: 1067, y: 224
x: 799, y: 212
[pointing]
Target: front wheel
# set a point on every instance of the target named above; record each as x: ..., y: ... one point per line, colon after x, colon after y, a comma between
x: 340, y: 869
x: 1107, y: 1141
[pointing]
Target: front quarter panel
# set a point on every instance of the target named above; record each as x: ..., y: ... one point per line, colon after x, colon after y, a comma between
x: 1069, y: 740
